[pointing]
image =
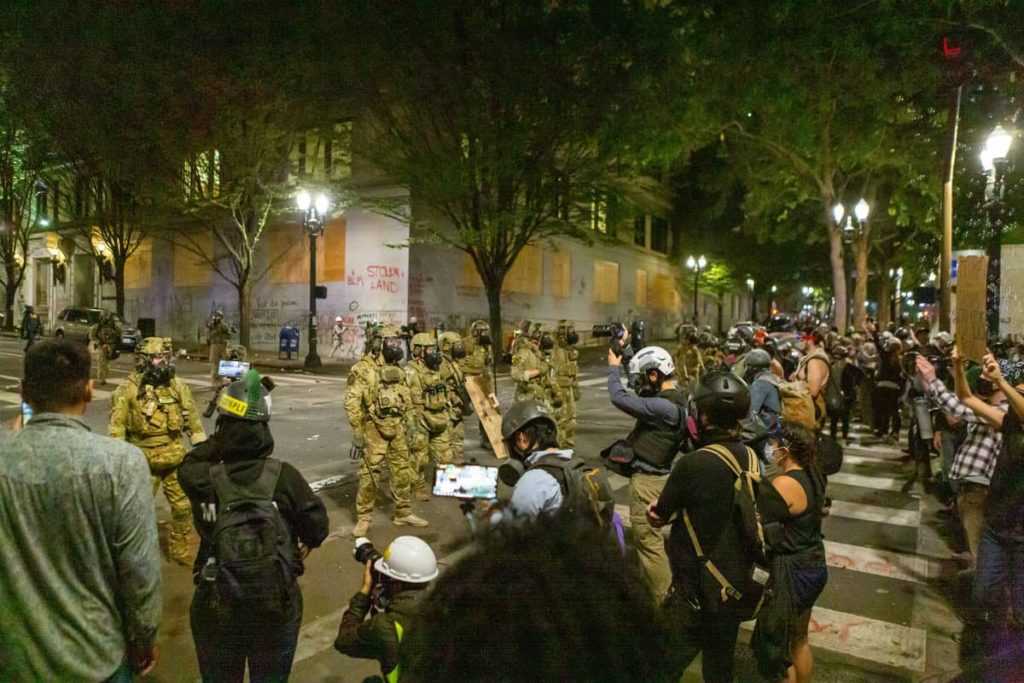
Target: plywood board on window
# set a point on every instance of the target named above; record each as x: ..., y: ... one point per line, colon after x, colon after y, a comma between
x: 468, y: 276
x: 606, y: 282
x: 333, y: 247
x: 640, y: 289
x: 526, y: 274
x: 288, y: 254
x: 663, y: 294
x: 189, y: 269
x: 138, y: 269
x: 561, y: 274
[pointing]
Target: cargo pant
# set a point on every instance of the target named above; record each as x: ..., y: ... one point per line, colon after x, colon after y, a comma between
x: 217, y: 352
x: 645, y: 489
x: 566, y: 417
x: 101, y: 353
x: 381, y: 453
x: 163, y: 469
x: 429, y: 451
x: 458, y: 441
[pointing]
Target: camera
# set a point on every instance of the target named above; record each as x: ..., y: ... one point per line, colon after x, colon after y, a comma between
x: 616, y: 332
x: 364, y: 551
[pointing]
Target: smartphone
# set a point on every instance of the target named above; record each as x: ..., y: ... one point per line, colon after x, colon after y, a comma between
x: 466, y: 481
x: 232, y: 369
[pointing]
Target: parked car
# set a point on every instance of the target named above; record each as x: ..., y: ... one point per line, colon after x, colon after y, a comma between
x: 75, y: 323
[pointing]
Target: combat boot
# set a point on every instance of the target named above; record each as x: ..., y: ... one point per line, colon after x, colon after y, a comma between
x: 179, y: 549
x: 361, y: 528
x: 409, y: 520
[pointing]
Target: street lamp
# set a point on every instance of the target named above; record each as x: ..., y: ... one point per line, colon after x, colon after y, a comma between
x: 314, y: 213
x: 897, y: 275
x: 696, y: 265
x: 753, y: 300
x: 995, y: 163
x: 860, y: 211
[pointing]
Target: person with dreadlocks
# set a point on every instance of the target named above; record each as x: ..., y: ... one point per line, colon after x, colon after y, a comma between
x: 257, y: 519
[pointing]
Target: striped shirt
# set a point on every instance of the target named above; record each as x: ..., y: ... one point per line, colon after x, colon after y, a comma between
x: 975, y: 460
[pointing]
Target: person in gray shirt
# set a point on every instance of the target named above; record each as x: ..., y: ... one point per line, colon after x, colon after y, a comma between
x: 79, y: 560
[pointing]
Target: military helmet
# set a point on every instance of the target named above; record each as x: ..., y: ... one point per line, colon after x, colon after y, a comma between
x: 246, y: 399
x: 449, y: 339
x: 387, y: 331
x: 479, y: 327
x: 523, y: 413
x: 423, y: 339
x: 154, y: 346
x: 536, y: 330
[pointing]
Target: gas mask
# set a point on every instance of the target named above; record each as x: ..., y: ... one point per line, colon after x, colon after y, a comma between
x: 158, y: 374
x: 642, y: 385
x: 572, y: 338
x: 432, y: 358
x: 985, y: 388
x: 375, y: 345
x: 546, y: 342
x: 392, y: 351
x: 458, y: 350
x: 484, y: 339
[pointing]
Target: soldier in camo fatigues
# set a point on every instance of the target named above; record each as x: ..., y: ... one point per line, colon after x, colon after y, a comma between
x: 378, y: 402
x: 688, y: 357
x: 429, y: 421
x: 478, y: 364
x: 452, y: 351
x: 565, y: 362
x: 105, y: 336
x: 218, y: 334
x: 153, y: 410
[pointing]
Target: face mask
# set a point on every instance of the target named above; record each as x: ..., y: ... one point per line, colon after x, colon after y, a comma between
x: 572, y: 338
x: 392, y: 352
x: 432, y: 358
x: 458, y: 350
x: 547, y: 343
x: 158, y: 375
x: 484, y: 340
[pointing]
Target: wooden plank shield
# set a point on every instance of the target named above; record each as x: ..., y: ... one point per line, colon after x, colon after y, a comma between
x: 971, y: 324
x: 488, y: 414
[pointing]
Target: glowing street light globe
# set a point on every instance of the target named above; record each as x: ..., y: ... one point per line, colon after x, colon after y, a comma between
x: 322, y: 204
x: 838, y: 211
x: 862, y: 210
x: 303, y: 200
x: 998, y: 143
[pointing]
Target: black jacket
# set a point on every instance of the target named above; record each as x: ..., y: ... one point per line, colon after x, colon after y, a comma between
x: 244, y: 447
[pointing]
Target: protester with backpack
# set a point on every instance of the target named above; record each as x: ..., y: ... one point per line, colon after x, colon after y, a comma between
x: 716, y: 542
x: 792, y: 528
x: 257, y: 519
x: 814, y: 370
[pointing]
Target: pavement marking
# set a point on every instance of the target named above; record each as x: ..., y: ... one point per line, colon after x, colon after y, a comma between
x: 10, y: 397
x: 868, y: 639
x: 863, y: 481
x: 876, y: 513
x: 891, y: 565
x: 864, y: 460
x: 886, y: 452
x: 593, y: 382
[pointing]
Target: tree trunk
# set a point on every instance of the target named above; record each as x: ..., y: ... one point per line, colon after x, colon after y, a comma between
x: 884, y: 302
x: 10, y: 294
x: 118, y: 287
x: 860, y: 291
x: 720, y: 312
x: 835, y: 244
x: 244, y: 291
x: 497, y: 333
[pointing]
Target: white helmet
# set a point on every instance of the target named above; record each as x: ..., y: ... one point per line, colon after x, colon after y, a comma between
x: 652, y: 358
x: 337, y: 319
x: 408, y: 559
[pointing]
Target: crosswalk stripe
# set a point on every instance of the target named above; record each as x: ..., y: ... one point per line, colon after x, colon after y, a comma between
x: 868, y: 639
x: 864, y: 460
x: 876, y: 513
x: 887, y: 452
x: 878, y: 562
x: 593, y: 382
x: 875, y: 483
x: 10, y: 397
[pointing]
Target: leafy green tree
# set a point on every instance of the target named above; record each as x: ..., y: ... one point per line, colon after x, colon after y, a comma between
x: 515, y: 122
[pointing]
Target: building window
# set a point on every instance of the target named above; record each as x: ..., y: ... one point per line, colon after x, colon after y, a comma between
x: 526, y: 274
x: 640, y: 231
x: 201, y: 176
x: 606, y: 282
x: 55, y: 189
x: 41, y: 197
x: 640, y: 292
x: 599, y: 213
x: 659, y: 235
x: 561, y: 274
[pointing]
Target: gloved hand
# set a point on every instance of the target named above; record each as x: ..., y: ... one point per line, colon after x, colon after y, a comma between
x: 358, y: 446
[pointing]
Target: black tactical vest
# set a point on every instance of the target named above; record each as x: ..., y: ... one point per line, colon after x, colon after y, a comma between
x: 657, y: 443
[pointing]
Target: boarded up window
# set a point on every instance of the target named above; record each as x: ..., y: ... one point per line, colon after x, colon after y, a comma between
x: 333, y: 247
x: 189, y: 269
x: 468, y: 277
x: 663, y: 293
x: 138, y: 269
x: 640, y: 293
x: 561, y: 274
x: 526, y: 274
x: 606, y: 282
x: 288, y: 252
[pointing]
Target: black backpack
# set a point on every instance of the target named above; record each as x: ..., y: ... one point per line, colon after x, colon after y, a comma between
x: 253, y: 547
x: 744, y: 599
x: 835, y: 402
x: 585, y: 488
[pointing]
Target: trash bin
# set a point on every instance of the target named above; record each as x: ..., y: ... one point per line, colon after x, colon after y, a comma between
x: 288, y: 342
x: 147, y: 327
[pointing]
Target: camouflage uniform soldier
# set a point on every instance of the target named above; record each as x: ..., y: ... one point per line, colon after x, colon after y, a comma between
x: 530, y: 372
x: 377, y: 403
x: 452, y: 351
x: 105, y: 335
x: 565, y: 359
x: 520, y: 336
x: 430, y: 421
x: 218, y: 334
x: 478, y: 364
x: 153, y: 410
x: 688, y: 357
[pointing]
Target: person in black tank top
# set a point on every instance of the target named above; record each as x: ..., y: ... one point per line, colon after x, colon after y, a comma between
x: 793, y: 528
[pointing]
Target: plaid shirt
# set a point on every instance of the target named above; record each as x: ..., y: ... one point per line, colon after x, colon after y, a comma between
x: 976, y: 457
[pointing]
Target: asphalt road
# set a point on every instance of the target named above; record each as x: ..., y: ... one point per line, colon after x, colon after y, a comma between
x: 886, y: 614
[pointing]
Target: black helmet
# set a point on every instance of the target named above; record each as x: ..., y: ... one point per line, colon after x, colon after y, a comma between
x: 758, y: 359
x: 723, y: 397
x: 523, y: 413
